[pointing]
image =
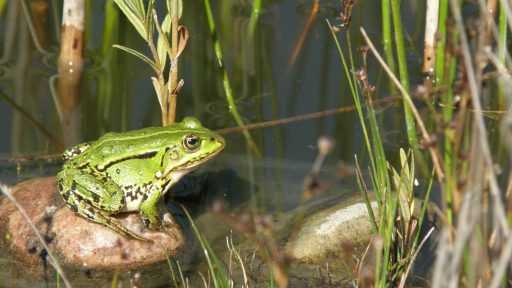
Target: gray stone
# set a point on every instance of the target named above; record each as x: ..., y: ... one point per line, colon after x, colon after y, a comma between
x: 327, y: 232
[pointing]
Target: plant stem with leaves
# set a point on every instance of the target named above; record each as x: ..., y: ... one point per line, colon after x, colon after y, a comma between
x: 164, y: 53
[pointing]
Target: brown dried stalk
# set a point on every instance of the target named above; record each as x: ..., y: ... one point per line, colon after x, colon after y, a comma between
x: 70, y: 69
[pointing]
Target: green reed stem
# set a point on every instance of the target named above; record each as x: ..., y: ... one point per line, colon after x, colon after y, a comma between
x: 357, y: 102
x: 441, y: 42
x: 255, y: 13
x: 218, y: 273
x: 445, y: 69
x: 450, y: 157
x: 108, y: 78
x: 402, y: 67
x: 225, y: 79
x: 387, y: 39
x: 378, y: 165
x: 502, y: 51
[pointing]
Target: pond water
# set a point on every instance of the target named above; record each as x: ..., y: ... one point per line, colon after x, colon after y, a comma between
x: 268, y: 83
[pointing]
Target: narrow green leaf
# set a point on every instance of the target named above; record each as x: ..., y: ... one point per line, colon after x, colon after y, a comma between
x: 148, y: 20
x: 175, y: 8
x: 134, y: 15
x: 138, y: 6
x: 138, y: 55
x: 163, y: 41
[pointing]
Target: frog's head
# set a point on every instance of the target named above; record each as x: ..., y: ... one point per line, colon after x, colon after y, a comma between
x: 192, y: 145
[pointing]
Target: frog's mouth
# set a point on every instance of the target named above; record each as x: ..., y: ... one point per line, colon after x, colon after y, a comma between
x: 201, y: 159
x: 188, y: 167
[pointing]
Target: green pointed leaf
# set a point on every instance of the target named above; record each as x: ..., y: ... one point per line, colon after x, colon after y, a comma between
x: 175, y: 8
x: 134, y: 11
x: 163, y: 41
x: 138, y: 55
x: 148, y: 20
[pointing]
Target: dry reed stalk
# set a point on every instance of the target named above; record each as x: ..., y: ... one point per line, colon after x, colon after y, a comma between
x: 171, y: 101
x: 465, y: 259
x: 70, y: 66
x: 302, y: 38
x: 431, y: 22
x: 491, y: 8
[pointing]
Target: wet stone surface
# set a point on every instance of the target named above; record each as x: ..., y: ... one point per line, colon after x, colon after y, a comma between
x: 85, y: 249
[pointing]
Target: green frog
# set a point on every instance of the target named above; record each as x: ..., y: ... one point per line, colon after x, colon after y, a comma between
x: 131, y: 171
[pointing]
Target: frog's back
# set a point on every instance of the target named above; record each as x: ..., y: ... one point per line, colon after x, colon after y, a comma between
x: 146, y: 142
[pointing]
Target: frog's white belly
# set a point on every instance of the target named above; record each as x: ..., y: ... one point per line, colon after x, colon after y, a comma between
x: 134, y: 198
x: 132, y: 204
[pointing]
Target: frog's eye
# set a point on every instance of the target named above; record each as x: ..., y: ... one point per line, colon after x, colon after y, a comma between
x: 191, y: 142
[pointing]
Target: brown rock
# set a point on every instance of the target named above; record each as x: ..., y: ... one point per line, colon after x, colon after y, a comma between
x: 79, y: 243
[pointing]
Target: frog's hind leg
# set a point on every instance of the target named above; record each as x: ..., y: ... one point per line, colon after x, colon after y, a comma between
x: 82, y: 207
x: 93, y: 198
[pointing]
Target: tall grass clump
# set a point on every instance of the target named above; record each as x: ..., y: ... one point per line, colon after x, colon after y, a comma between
x: 470, y: 80
x: 395, y: 223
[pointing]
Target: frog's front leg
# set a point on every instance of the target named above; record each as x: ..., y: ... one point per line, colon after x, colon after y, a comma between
x: 149, y: 207
x: 93, y: 199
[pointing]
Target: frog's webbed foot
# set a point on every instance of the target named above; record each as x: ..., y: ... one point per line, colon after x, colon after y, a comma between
x: 154, y: 224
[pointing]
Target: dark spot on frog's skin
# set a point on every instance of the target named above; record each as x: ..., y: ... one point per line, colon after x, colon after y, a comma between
x: 60, y: 186
x: 163, y: 156
x: 137, y: 192
x: 65, y: 195
x: 95, y: 197
x: 132, y: 194
x: 78, y: 197
x: 127, y: 189
x: 73, y: 207
x: 145, y: 196
x: 118, y: 171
